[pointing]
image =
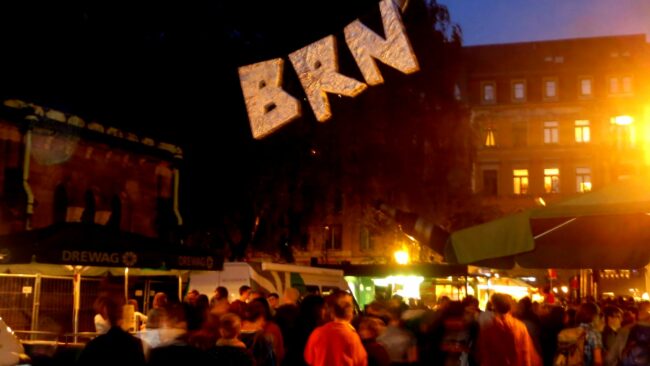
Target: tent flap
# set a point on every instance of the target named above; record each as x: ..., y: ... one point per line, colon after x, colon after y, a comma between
x: 499, y: 238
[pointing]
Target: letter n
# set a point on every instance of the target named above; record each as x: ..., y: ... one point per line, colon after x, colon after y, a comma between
x: 269, y: 107
x: 394, y: 51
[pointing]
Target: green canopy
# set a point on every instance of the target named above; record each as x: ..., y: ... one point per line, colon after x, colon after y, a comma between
x: 607, y: 228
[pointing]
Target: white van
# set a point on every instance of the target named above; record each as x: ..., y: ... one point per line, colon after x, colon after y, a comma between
x: 267, y: 277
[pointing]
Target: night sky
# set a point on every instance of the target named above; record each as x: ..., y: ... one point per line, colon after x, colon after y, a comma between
x: 505, y: 21
x: 169, y: 70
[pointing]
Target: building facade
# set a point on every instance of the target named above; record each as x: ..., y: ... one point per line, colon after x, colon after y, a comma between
x: 556, y: 118
x: 56, y: 167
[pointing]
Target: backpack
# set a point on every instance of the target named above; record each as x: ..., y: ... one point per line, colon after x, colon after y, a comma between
x: 570, y: 347
x: 637, y: 348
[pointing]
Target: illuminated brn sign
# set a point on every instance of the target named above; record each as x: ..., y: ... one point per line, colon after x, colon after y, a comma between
x: 269, y: 107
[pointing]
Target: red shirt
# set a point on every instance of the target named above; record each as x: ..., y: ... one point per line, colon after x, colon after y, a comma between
x: 504, y: 340
x: 335, y: 344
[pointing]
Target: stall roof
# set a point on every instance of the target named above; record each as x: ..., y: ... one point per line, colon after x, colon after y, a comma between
x: 383, y: 270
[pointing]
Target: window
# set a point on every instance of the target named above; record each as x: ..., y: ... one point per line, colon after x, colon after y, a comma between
x: 520, y: 181
x: 365, y: 239
x: 583, y: 133
x: 333, y: 237
x: 550, y: 89
x: 520, y: 134
x: 624, y: 131
x: 586, y: 86
x: 518, y: 90
x: 613, y: 86
x: 490, y: 182
x: 627, y: 85
x: 551, y: 132
x: 583, y: 180
x: 620, y: 85
x: 552, y: 180
x: 489, y: 138
x: 488, y: 92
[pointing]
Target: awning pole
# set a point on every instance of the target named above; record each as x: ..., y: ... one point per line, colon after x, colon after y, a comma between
x: 76, y: 282
x: 555, y: 228
x: 180, y: 287
x: 126, y: 285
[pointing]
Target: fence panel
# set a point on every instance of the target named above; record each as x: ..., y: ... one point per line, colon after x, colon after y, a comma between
x: 17, y: 301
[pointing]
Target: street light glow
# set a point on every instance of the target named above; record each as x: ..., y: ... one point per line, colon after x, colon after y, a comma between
x: 401, y: 257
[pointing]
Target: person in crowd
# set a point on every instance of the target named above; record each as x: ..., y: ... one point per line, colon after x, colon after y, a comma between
x: 192, y: 296
x: 229, y: 350
x: 286, y: 315
x: 238, y: 306
x: 115, y: 347
x: 138, y: 320
x: 336, y: 343
x: 552, y: 324
x: 369, y: 330
x: 530, y: 319
x: 311, y: 315
x: 632, y: 344
x: 274, y: 300
x: 259, y: 342
x: 102, y: 324
x: 504, y: 340
x: 219, y: 302
x: 613, y: 318
x: 400, y: 343
x: 588, y: 318
x: 157, y: 312
x: 174, y: 348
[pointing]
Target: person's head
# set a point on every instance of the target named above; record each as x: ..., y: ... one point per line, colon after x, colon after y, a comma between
x: 159, y: 300
x: 501, y: 303
x: 134, y: 303
x: 174, y: 317
x: 370, y: 328
x: 644, y: 311
x: 312, y: 311
x: 244, y: 293
x: 192, y: 297
x: 111, y: 309
x: 274, y: 300
x: 470, y: 307
x: 255, y: 295
x: 341, y: 306
x: 229, y: 326
x: 221, y: 293
x: 255, y: 311
x: 291, y: 295
x: 613, y: 317
x: 587, y: 313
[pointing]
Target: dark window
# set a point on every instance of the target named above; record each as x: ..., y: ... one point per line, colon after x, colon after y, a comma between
x: 519, y: 134
x: 60, y: 207
x: 333, y: 237
x: 88, y: 215
x: 490, y: 182
x: 116, y: 213
x: 365, y: 239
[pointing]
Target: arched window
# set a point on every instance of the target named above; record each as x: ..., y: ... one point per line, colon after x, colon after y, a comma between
x: 88, y: 215
x: 60, y: 207
x: 115, y: 219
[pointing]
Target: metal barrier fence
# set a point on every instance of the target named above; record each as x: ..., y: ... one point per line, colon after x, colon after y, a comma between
x: 39, y: 306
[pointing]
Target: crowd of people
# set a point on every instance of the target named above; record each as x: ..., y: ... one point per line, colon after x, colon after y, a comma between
x: 267, y: 330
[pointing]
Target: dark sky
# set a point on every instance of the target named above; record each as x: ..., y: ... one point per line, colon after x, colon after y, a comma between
x: 505, y: 21
x: 162, y: 69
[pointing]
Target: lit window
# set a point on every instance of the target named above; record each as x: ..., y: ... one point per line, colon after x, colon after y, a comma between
x: 613, y: 86
x: 551, y: 132
x: 627, y: 84
x: 488, y: 91
x: 550, y: 88
x: 583, y: 133
x: 552, y: 180
x: 519, y: 90
x: 583, y: 180
x: 585, y: 87
x: 624, y: 131
x: 489, y: 138
x: 520, y: 181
